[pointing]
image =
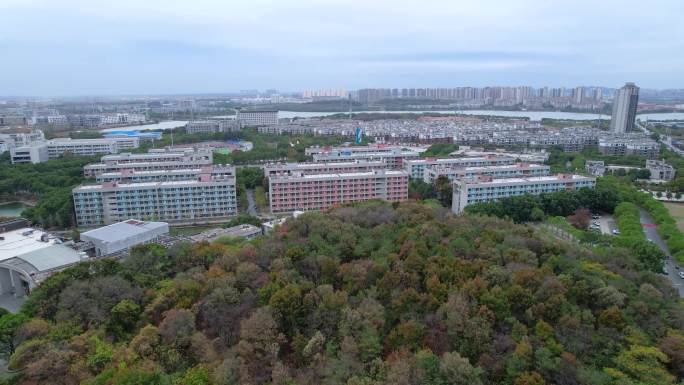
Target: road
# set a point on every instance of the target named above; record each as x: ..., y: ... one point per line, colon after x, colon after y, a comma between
x: 650, y: 229
x: 251, y: 203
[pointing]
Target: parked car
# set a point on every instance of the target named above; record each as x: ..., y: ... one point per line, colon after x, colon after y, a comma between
x: 665, y: 270
x: 681, y: 274
x: 616, y: 232
x: 595, y: 216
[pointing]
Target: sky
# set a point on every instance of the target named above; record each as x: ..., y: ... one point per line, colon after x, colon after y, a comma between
x: 126, y: 47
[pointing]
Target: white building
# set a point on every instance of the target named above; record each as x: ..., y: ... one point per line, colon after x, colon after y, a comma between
x: 35, y: 152
x: 28, y: 256
x: 122, y: 236
x: 257, y: 118
x: 624, y: 109
x: 487, y: 189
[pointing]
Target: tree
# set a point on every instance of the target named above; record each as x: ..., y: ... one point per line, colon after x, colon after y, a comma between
x: 581, y: 218
x: 177, y: 327
x: 9, y: 325
x: 457, y: 370
x: 124, y: 316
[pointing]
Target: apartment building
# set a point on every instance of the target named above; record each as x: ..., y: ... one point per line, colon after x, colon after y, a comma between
x: 487, y: 189
x: 416, y: 167
x: 288, y: 193
x: 132, y: 176
x: 206, y: 199
x: 660, y: 170
x: 504, y: 171
x: 629, y: 144
x: 257, y: 118
x: 322, y: 168
x: 154, y: 160
x: 394, y: 159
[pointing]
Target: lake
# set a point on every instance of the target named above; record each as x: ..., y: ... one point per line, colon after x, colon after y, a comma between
x: 11, y: 209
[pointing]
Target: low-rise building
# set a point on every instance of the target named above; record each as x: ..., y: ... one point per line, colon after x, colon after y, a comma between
x: 122, y: 236
x: 486, y: 189
x: 288, y: 193
x: 203, y: 200
x: 504, y: 171
x: 245, y: 230
x: 595, y: 167
x: 28, y: 256
x: 660, y: 170
x: 37, y: 151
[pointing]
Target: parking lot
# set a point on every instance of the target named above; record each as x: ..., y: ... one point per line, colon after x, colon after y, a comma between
x: 606, y: 224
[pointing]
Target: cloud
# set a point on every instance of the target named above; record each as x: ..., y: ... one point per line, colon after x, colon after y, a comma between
x: 153, y: 46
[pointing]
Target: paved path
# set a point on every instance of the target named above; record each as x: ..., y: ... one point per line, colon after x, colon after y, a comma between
x: 651, y: 231
x: 251, y: 203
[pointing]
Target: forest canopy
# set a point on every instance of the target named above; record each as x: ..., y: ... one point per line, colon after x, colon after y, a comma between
x: 373, y: 293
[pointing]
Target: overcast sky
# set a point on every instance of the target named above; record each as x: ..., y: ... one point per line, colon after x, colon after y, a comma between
x: 71, y: 47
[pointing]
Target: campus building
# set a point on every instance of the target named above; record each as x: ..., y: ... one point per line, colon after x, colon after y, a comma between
x: 289, y: 193
x: 322, y: 168
x: 505, y: 171
x: 154, y: 160
x: 416, y: 167
x: 42, y: 151
x: 486, y: 189
x: 206, y: 199
x: 132, y: 176
x: 394, y: 158
x: 595, y: 167
x: 28, y: 256
x: 256, y: 118
x: 211, y: 126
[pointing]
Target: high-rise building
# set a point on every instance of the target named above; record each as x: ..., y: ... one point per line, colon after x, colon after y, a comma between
x: 624, y: 108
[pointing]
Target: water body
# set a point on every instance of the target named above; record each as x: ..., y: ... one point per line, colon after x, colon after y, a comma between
x: 167, y: 125
x: 11, y: 209
x: 532, y: 115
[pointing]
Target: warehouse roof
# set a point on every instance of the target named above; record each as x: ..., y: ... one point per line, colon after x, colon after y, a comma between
x: 122, y: 230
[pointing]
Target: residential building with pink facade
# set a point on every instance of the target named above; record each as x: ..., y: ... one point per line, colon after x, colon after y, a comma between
x: 288, y: 193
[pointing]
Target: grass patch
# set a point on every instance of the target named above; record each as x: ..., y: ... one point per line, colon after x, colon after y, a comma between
x: 676, y: 210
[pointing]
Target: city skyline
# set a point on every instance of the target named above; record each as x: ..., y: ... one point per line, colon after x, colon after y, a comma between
x: 130, y: 48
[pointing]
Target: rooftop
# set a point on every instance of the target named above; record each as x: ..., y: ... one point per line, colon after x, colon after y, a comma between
x: 35, y: 251
x: 123, y: 230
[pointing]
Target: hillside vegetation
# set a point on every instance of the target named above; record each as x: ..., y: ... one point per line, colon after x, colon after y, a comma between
x: 367, y: 294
